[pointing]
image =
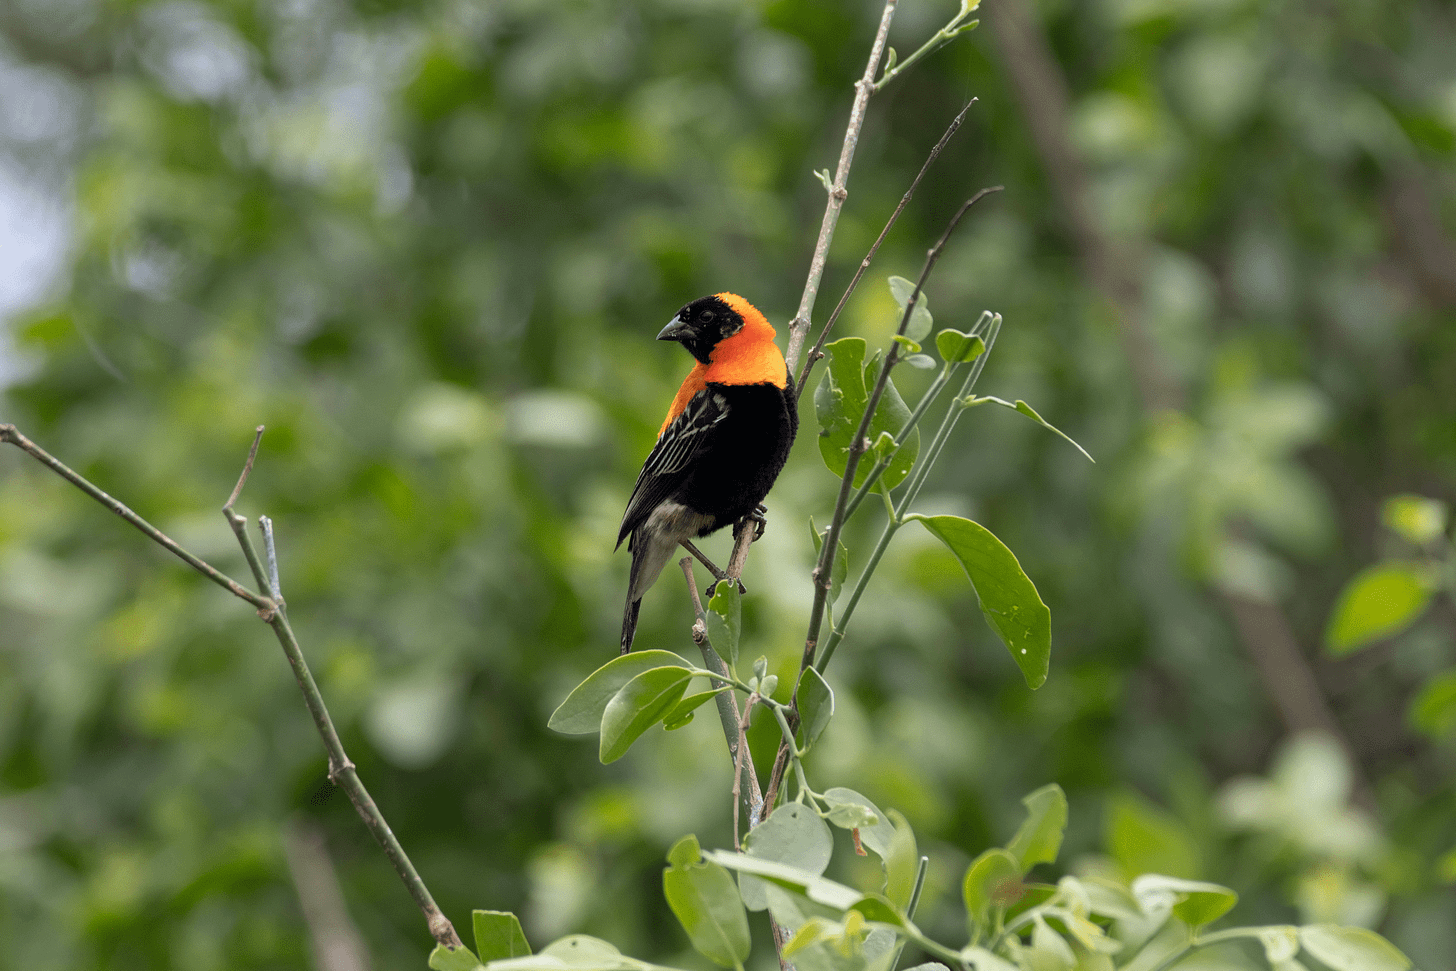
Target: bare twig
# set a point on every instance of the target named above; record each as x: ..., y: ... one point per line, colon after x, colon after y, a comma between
x: 247, y: 469
x: 9, y: 433
x: 727, y: 707
x: 864, y: 87
x: 341, y: 769
x: 817, y: 352
x: 271, y: 552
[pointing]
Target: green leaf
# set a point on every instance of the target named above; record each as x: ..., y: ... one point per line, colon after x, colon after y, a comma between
x: 911, y: 347
x: 839, y: 569
x: 902, y: 860
x: 918, y: 328
x: 839, y: 405
x: 498, y: 935
x: 1433, y: 710
x: 992, y: 880
x: 585, y: 953
x: 1418, y: 519
x: 581, y: 712
x: 640, y: 704
x: 1023, y: 408
x: 725, y: 621
x: 1008, y: 598
x: 981, y: 959
x: 705, y: 901
x: 816, y: 704
x: 880, y: 910
x: 1039, y: 838
x: 921, y: 362
x: 1194, y: 902
x: 793, y: 835
x: 444, y: 958
x: 1352, y: 948
x: 1382, y: 600
x: 1146, y: 839
x: 1281, y: 943
x: 958, y: 347
x: 682, y: 712
x: 816, y: 888
x: 850, y: 805
x: 685, y: 851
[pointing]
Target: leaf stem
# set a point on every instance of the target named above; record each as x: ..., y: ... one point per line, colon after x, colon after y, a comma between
x: 941, y: 37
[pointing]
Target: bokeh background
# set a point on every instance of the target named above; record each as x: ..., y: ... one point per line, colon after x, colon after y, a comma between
x: 428, y: 245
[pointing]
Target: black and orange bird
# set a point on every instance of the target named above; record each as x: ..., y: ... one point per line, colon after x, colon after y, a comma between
x: 725, y: 438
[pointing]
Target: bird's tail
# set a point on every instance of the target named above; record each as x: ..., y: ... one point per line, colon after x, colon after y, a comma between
x: 629, y: 623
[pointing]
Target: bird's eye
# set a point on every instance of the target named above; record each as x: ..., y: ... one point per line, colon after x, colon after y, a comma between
x: 706, y: 316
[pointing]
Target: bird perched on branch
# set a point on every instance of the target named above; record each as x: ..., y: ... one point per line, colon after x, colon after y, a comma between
x: 725, y: 438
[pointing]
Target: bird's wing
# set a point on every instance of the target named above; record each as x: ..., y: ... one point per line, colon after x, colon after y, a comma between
x: 670, y: 461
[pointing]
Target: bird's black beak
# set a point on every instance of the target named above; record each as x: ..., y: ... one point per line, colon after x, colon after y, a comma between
x: 677, y: 329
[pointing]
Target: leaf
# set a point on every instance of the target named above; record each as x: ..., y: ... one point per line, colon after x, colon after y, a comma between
x: 1280, y: 942
x: 839, y: 405
x: 921, y: 362
x: 816, y: 704
x: 1418, y: 519
x: 498, y: 935
x: 902, y: 860
x: 794, y: 835
x: 911, y: 347
x: 1194, y: 902
x: 839, y: 569
x: 875, y: 837
x: 1380, y: 601
x: 957, y: 347
x: 682, y: 712
x: 983, y: 960
x: 1039, y: 838
x: 640, y: 704
x: 1146, y: 839
x: 1008, y: 598
x: 444, y: 958
x: 1433, y: 710
x: 581, y: 712
x: 725, y: 620
x: 918, y: 327
x: 1023, y: 408
x: 705, y: 901
x: 581, y: 951
x: 1352, y: 948
x: 818, y: 889
x: 992, y: 880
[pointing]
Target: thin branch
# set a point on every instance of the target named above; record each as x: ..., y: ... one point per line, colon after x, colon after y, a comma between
x: 727, y: 704
x: 858, y: 443
x: 818, y: 351
x: 247, y: 469
x: 341, y: 770
x: 9, y: 433
x: 266, y: 525
x: 941, y: 37
x: 864, y: 87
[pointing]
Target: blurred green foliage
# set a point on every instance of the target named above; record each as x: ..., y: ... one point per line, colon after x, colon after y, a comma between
x: 428, y: 243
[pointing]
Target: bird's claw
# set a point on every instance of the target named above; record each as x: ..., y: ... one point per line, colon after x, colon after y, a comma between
x: 759, y: 517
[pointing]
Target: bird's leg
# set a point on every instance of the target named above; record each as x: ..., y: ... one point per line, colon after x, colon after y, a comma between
x: 759, y: 516
x: 711, y: 567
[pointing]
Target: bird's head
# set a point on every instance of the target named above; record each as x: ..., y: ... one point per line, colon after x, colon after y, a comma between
x: 724, y: 318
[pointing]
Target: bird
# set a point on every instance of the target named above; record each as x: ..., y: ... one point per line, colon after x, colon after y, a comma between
x: 726, y: 436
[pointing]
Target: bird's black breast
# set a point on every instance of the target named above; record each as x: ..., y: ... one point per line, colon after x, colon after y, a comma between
x: 735, y: 471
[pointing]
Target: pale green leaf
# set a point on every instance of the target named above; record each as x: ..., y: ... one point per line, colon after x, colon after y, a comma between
x: 640, y: 704
x: 581, y: 712
x: 1380, y: 601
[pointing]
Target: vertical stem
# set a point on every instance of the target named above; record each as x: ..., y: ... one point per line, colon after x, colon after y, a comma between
x: 864, y: 87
